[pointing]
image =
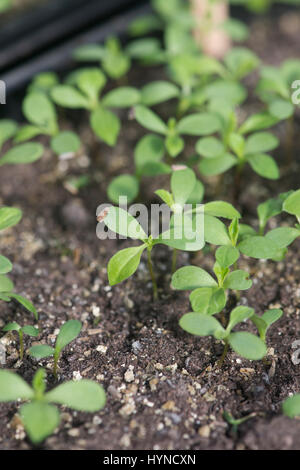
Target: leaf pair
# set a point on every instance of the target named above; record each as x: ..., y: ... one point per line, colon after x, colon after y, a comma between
x: 39, y: 416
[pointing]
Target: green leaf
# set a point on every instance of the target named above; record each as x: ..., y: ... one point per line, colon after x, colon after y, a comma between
x: 150, y: 120
x: 8, y: 129
x: 221, y: 209
x: 283, y: 236
x: 145, y: 24
x: 89, y: 53
x: 199, y: 124
x: 241, y: 61
x: 84, y: 395
x: 238, y: 280
x: 192, y: 277
x: 123, y: 97
x: 121, y: 222
x: 264, y: 165
x: 271, y: 208
x: 215, y: 231
x: 227, y: 256
x: 28, y: 132
x: 166, y: 196
x: 39, y: 110
x: 236, y: 29
x: 237, y: 144
x: 41, y: 351
x: 68, y: 97
x: 182, y: 184
x: 182, y: 236
x: 143, y: 48
x: 40, y: 420
x: 238, y: 315
x: 65, y: 142
x: 13, y: 326
x: 208, y: 300
x: 266, y: 320
x: 30, y: 330
x: 158, y: 92
x: 13, y: 387
x: 291, y: 406
x: 90, y: 82
x: 174, y: 145
x: 291, y: 205
x: 5, y: 265
x: 261, y: 142
x: 247, y: 345
x: 281, y: 109
x: 124, y: 264
x: 197, y: 194
x: 229, y: 92
x: 210, y: 147
x: 24, y: 153
x: 25, y: 302
x: 258, y: 247
x: 217, y: 166
x: 123, y: 185
x: 68, y: 332
x: 106, y: 125
x: 200, y: 325
x: 258, y: 122
x: 6, y: 285
x: 150, y: 149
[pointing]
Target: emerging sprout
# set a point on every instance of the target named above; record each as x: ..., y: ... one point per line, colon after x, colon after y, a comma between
x: 39, y: 416
x: 25, y: 330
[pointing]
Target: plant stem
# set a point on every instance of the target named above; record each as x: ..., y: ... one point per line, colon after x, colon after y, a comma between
x: 21, y: 352
x: 154, y: 285
x: 289, y: 143
x: 55, y: 365
x: 174, y: 260
x: 225, y: 351
x: 237, y: 181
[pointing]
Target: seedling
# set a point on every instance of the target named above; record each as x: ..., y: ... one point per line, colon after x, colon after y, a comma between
x: 234, y: 149
x: 41, y: 114
x: 39, y: 416
x: 8, y: 129
x: 209, y: 295
x: 124, y: 263
x: 9, y: 217
x: 115, y: 62
x: 193, y: 125
x: 68, y: 332
x: 274, y: 88
x: 243, y: 343
x: 291, y: 406
x: 291, y: 205
x: 235, y: 423
x: 25, y: 330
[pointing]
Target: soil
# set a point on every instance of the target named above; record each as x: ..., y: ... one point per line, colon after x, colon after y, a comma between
x: 164, y: 387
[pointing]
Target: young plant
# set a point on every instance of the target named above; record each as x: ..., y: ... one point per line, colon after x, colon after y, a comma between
x: 25, y: 330
x: 68, y: 332
x: 291, y: 205
x: 192, y: 125
x: 181, y: 235
x: 114, y: 61
x: 41, y: 114
x: 9, y: 217
x: 274, y: 88
x: 243, y: 343
x: 235, y: 423
x: 39, y: 416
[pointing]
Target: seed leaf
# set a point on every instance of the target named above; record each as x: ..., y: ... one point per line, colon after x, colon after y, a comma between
x: 24, y: 153
x: 247, y: 345
x: 283, y: 236
x: 201, y: 325
x: 123, y: 97
x: 217, y: 166
x: 5, y: 265
x: 238, y: 315
x: 40, y: 420
x: 182, y: 184
x: 150, y: 120
x: 221, y: 209
x: 215, y: 232
x: 6, y: 285
x: 291, y: 406
x: 238, y: 280
x: 121, y: 222
x: 158, y: 92
x: 13, y: 387
x: 123, y: 185
x: 258, y: 247
x: 40, y: 351
x: 261, y: 142
x: 25, y: 302
x: 68, y: 97
x: 39, y: 110
x: 199, y: 124
x: 292, y: 204
x: 210, y: 147
x: 65, y: 142
x: 264, y: 165
x: 192, y: 277
x: 227, y: 256
x: 84, y: 395
x: 68, y: 332
x: 106, y: 125
x: 123, y: 264
x: 208, y: 300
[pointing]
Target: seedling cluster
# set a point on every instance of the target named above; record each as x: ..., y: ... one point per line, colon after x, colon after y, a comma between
x: 196, y: 137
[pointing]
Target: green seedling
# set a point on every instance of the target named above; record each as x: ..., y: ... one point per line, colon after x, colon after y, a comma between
x: 274, y: 88
x: 24, y: 330
x: 291, y: 205
x: 68, y: 332
x: 209, y: 294
x: 8, y: 129
x: 181, y: 235
x: 9, y: 217
x: 41, y: 114
x: 185, y: 189
x: 114, y: 61
x: 235, y: 423
x: 192, y: 125
x: 291, y: 406
x: 243, y: 343
x: 43, y: 82
x: 240, y: 145
x: 39, y: 416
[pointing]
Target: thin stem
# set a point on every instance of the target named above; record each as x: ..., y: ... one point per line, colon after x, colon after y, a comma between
x: 55, y: 365
x: 225, y: 351
x: 174, y: 260
x: 21, y: 352
x: 154, y: 285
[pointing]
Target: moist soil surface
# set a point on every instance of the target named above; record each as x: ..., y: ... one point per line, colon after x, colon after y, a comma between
x: 164, y: 387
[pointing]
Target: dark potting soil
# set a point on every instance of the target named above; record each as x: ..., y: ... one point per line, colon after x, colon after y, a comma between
x: 164, y: 387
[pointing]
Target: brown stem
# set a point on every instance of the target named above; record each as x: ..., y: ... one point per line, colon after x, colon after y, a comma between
x: 154, y: 285
x: 21, y: 354
x: 225, y: 351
